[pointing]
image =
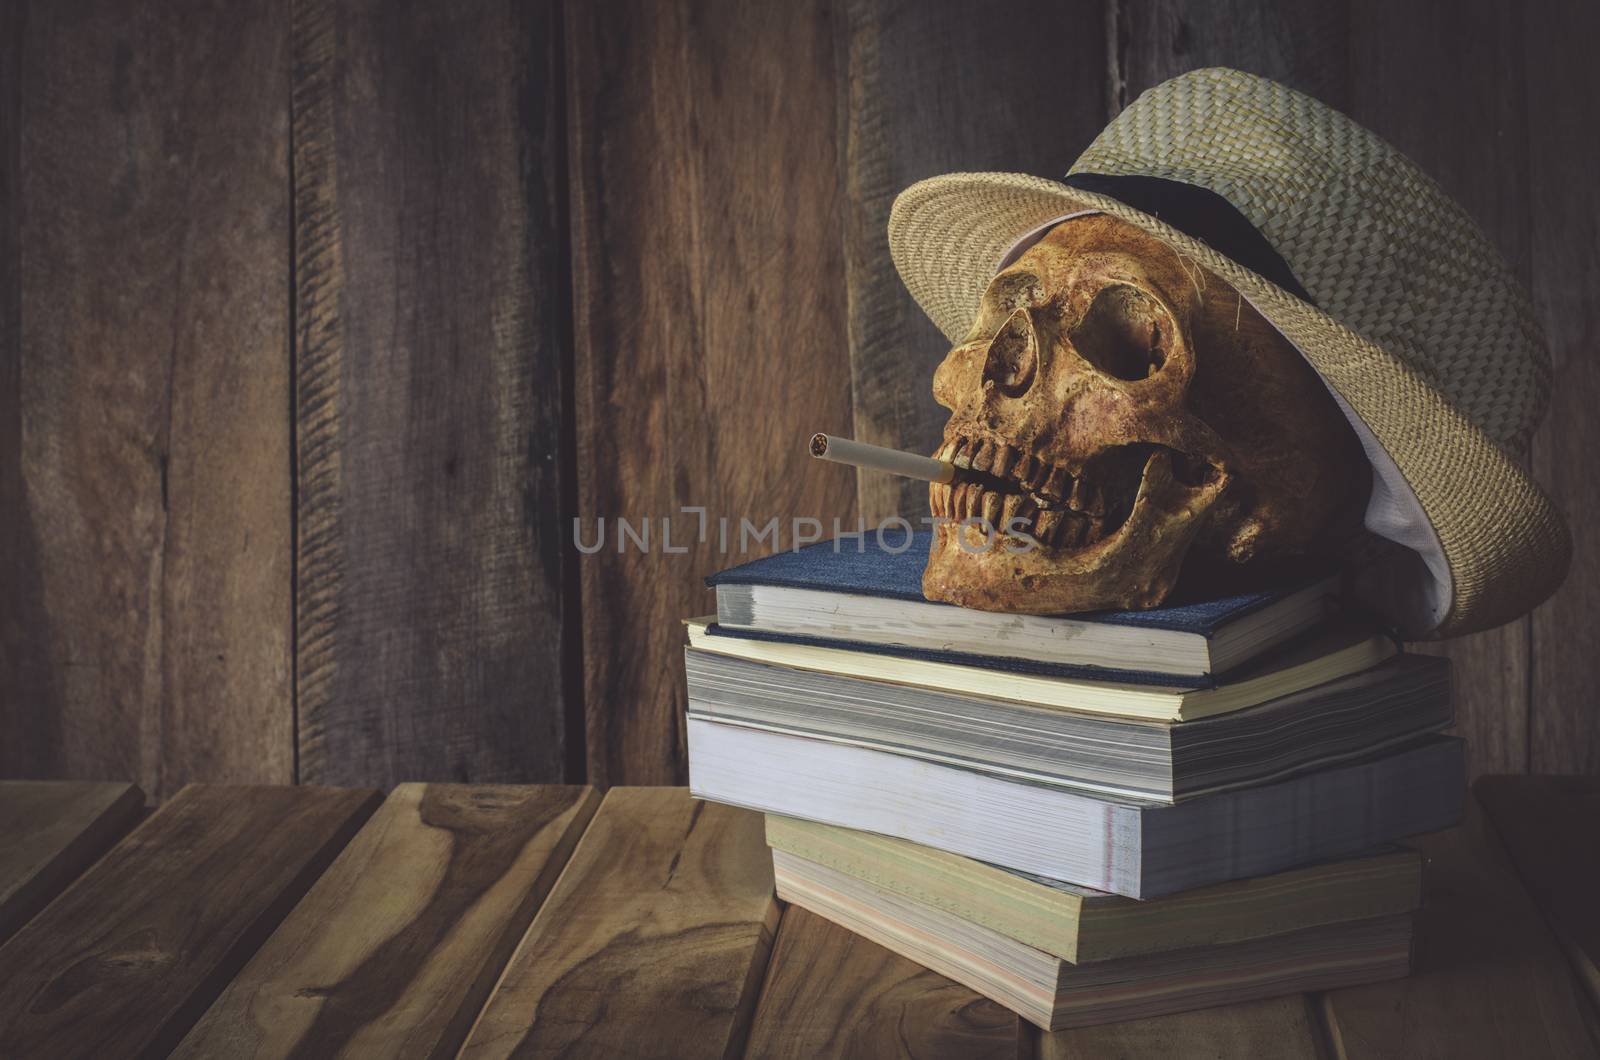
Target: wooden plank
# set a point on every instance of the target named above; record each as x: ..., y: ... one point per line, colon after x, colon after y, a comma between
x: 709, y: 328
x: 930, y: 88
x: 1283, y: 1028
x: 1563, y: 81
x: 395, y: 949
x: 830, y: 992
x: 50, y: 831
x: 432, y: 563
x: 1551, y: 828
x: 23, y: 676
x: 653, y: 942
x: 1300, y: 43
x: 145, y: 626
x: 1487, y: 980
x: 129, y: 956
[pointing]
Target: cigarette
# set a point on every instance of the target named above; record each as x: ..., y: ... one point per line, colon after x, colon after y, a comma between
x: 876, y: 457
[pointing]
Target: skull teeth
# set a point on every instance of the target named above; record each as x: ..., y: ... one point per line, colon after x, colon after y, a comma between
x: 991, y: 507
x: 1086, y: 497
x: 1035, y: 497
x: 984, y: 457
x: 1004, y: 459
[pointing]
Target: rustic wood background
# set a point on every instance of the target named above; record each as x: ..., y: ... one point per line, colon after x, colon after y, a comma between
x: 321, y: 320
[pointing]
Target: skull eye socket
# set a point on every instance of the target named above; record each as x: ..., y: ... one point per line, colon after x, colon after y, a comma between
x: 1125, y: 333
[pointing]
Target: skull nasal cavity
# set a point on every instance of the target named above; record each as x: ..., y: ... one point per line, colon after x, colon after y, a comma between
x: 1013, y: 356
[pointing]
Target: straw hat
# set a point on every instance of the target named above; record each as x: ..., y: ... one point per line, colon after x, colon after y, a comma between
x: 1388, y: 289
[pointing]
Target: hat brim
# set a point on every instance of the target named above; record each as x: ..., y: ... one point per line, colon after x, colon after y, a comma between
x: 1490, y: 545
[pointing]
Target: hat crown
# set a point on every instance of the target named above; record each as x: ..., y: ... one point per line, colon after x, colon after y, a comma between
x: 1377, y: 244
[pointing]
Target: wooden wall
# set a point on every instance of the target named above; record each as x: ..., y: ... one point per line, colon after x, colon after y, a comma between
x: 145, y: 441
x: 321, y: 321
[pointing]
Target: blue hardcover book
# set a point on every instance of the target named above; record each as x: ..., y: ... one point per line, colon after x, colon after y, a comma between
x: 857, y: 594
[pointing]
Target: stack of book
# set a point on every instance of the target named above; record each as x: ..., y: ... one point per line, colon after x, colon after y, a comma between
x: 1086, y: 818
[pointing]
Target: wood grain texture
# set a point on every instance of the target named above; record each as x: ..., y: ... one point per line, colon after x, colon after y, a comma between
x: 1301, y: 43
x: 653, y: 943
x: 145, y: 623
x: 1487, y: 978
x: 709, y: 327
x: 1550, y: 826
x: 50, y: 831
x: 431, y: 557
x: 830, y: 992
x: 925, y: 89
x: 395, y: 949
x: 1563, y: 83
x: 26, y: 707
x: 1285, y: 1028
x: 129, y: 956
x: 1444, y: 84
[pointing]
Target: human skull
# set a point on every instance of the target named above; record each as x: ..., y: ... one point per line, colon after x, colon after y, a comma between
x: 1132, y: 419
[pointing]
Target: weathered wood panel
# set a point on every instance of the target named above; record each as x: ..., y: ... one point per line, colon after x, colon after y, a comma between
x: 709, y: 327
x: 1488, y: 980
x: 432, y: 560
x: 144, y: 448
x: 394, y: 950
x: 50, y: 831
x: 653, y: 943
x: 126, y: 960
x: 731, y: 169
x: 1301, y: 43
x: 27, y: 704
x: 1284, y: 1028
x: 830, y: 992
x: 1563, y: 85
x: 925, y: 89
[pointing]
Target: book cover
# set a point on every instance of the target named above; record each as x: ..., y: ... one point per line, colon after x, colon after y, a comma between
x: 1083, y: 926
x: 1134, y: 849
x: 866, y: 568
x: 1007, y: 664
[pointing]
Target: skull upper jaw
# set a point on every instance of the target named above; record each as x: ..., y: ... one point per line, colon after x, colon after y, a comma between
x: 1135, y: 566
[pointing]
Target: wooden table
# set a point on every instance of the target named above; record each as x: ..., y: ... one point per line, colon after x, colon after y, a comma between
x: 554, y: 921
